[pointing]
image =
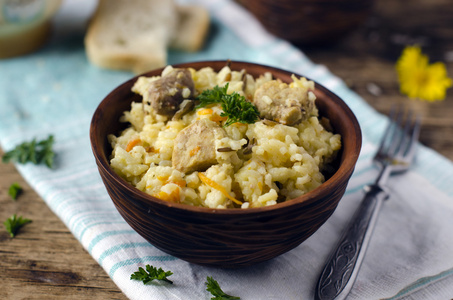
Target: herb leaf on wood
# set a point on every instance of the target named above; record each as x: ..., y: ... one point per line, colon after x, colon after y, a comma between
x: 14, y: 223
x: 14, y: 190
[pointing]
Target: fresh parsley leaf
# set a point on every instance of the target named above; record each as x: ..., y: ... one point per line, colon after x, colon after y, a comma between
x: 36, y: 152
x: 214, y: 288
x: 235, y: 107
x: 150, y: 274
x: 13, y: 224
x: 14, y: 190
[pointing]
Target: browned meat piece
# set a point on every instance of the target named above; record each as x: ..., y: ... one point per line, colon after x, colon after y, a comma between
x: 277, y: 101
x: 194, y: 148
x: 185, y: 107
x: 166, y: 93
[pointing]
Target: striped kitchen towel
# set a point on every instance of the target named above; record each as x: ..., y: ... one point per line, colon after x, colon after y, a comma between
x: 55, y: 91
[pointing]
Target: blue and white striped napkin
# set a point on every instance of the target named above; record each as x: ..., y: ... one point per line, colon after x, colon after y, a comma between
x: 55, y: 91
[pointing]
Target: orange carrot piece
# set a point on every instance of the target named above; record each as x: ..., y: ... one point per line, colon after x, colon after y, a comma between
x: 218, y: 187
x: 217, y: 118
x: 132, y: 144
x: 205, y: 111
x: 180, y: 183
x: 194, y: 150
x: 172, y: 197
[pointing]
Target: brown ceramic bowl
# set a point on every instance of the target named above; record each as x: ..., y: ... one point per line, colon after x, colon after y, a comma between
x: 226, y: 238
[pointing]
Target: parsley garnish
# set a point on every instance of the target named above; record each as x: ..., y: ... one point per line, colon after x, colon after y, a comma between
x: 35, y: 152
x: 14, y: 190
x: 214, y: 288
x: 235, y: 107
x: 153, y: 273
x: 13, y: 224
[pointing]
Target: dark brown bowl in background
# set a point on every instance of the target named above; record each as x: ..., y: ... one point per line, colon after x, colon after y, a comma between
x: 227, y: 238
x: 310, y: 22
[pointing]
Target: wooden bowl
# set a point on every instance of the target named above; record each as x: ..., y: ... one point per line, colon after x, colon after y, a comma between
x: 309, y: 22
x: 227, y: 238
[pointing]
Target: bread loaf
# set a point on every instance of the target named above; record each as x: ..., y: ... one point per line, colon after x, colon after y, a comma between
x: 192, y: 28
x: 134, y: 35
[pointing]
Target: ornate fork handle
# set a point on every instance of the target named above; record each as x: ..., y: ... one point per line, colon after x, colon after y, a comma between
x: 342, y: 267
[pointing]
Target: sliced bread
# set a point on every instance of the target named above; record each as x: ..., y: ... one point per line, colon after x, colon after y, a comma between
x: 192, y: 28
x: 131, y: 35
x: 134, y: 35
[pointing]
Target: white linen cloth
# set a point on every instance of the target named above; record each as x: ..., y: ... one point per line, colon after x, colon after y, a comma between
x: 56, y: 90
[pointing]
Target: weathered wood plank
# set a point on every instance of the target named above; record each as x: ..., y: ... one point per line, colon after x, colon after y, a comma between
x: 44, y: 260
x: 368, y: 55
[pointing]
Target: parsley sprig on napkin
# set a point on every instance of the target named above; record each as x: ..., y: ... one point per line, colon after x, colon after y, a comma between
x: 213, y: 287
x: 36, y: 152
x: 151, y: 273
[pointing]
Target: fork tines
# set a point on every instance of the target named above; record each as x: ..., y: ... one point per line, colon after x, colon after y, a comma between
x: 398, y: 142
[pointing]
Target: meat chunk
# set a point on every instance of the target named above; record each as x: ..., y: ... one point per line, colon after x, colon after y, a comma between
x: 166, y: 93
x: 277, y: 101
x: 185, y: 107
x: 194, y: 148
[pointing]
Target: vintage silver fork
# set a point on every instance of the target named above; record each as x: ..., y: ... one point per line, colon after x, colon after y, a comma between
x: 395, y: 154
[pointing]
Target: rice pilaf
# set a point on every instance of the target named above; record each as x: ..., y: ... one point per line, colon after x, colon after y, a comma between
x: 249, y: 165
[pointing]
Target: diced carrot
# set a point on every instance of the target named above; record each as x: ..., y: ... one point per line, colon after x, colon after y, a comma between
x: 180, y: 183
x: 172, y: 197
x: 218, y: 187
x: 205, y: 111
x: 217, y: 118
x: 163, y: 178
x: 132, y: 144
x: 161, y: 195
x: 194, y: 150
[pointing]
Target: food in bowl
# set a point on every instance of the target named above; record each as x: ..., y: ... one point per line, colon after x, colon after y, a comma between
x: 224, y: 139
x: 225, y: 238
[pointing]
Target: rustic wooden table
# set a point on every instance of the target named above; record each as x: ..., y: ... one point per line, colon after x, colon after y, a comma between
x: 45, y: 261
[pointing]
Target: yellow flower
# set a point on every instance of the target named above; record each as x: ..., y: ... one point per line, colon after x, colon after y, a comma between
x: 419, y: 79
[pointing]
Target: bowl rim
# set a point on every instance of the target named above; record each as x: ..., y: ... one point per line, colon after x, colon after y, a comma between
x: 345, y: 168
